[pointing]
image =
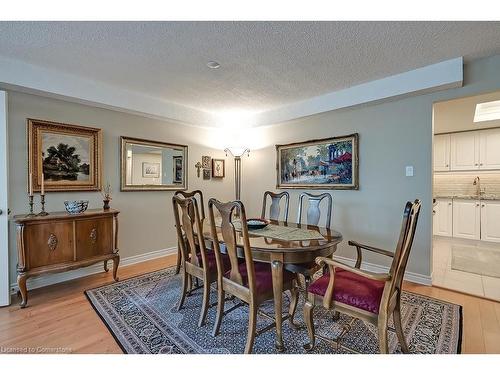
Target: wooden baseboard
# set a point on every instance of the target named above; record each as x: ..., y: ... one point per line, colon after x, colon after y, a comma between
x: 50, y: 279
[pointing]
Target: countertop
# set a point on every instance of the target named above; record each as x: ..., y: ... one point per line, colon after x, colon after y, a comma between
x: 484, y: 197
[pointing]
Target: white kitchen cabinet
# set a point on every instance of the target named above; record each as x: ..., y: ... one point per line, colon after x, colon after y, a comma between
x: 443, y: 217
x: 464, y: 151
x: 442, y: 152
x: 489, y: 149
x: 490, y: 221
x: 466, y: 219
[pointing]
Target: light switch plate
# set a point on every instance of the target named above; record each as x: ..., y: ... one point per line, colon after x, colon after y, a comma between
x: 409, y: 171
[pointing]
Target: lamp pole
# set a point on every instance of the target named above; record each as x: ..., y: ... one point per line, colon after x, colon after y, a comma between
x: 237, y: 153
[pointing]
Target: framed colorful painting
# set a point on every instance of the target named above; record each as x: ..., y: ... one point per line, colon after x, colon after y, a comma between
x: 330, y: 163
x: 67, y: 156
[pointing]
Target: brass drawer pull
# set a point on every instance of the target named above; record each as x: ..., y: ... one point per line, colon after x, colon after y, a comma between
x: 52, y: 242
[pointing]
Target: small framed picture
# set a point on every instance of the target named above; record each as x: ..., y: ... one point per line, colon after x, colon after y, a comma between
x: 206, y: 174
x: 205, y: 162
x: 150, y: 170
x: 218, y: 168
x: 177, y: 162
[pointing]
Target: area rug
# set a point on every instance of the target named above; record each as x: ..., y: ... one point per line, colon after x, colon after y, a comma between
x: 142, y: 316
x: 478, y: 260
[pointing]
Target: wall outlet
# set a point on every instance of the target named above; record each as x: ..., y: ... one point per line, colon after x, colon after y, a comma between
x: 409, y: 171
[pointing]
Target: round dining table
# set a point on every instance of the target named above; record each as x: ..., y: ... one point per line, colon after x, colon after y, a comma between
x: 282, y: 252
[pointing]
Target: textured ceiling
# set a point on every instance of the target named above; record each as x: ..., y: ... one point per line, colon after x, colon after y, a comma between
x: 263, y: 64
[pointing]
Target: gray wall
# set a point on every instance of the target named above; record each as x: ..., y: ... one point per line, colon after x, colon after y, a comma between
x: 146, y: 219
x: 392, y: 135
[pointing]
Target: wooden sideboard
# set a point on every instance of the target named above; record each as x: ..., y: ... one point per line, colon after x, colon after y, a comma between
x: 62, y: 242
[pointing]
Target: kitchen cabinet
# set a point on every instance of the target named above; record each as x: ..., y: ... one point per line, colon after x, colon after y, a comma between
x: 464, y: 151
x: 467, y: 151
x: 443, y: 217
x: 490, y: 221
x: 489, y: 149
x: 442, y: 152
x: 466, y: 219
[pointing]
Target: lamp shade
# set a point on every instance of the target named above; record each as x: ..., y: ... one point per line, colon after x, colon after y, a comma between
x: 237, y: 151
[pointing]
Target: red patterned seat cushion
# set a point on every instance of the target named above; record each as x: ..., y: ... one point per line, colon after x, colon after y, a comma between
x: 351, y: 289
x: 263, y: 276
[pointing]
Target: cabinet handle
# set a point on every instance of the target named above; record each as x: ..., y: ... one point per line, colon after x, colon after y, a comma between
x: 475, y: 164
x: 449, y: 204
x: 477, y: 204
x: 480, y: 163
x: 93, y: 235
x: 52, y: 242
x: 482, y: 205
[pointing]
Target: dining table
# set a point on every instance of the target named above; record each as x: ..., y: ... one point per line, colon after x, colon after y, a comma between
x: 281, y: 244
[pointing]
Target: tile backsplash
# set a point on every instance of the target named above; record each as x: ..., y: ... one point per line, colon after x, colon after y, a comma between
x: 448, y: 184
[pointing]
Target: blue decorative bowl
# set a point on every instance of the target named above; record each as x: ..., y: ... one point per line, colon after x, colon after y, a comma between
x: 76, y: 207
x: 257, y: 223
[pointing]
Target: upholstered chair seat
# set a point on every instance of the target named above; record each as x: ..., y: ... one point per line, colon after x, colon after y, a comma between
x: 211, y: 261
x: 263, y: 276
x: 351, y: 289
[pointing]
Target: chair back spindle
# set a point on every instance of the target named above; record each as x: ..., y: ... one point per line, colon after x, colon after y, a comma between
x: 188, y: 223
x: 230, y: 238
x: 274, y: 208
x: 405, y: 242
x: 313, y: 210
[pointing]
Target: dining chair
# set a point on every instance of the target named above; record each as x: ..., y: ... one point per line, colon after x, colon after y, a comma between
x: 198, y: 195
x: 197, y: 260
x: 251, y: 282
x: 274, y: 208
x: 371, y: 297
x: 313, y: 210
x: 307, y: 270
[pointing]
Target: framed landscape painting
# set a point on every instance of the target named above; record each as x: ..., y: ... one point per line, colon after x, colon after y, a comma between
x: 330, y: 163
x: 68, y: 156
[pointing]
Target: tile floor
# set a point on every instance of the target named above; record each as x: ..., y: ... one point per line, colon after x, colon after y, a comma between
x: 444, y: 276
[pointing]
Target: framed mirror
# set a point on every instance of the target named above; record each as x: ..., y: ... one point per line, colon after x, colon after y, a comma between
x: 151, y: 165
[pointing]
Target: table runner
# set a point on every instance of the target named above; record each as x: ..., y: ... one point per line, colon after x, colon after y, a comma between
x: 279, y: 232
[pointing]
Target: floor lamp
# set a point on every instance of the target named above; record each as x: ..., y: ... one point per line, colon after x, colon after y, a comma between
x: 237, y: 153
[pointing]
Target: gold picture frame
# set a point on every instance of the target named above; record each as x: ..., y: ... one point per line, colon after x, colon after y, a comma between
x: 69, y: 156
x: 324, y: 164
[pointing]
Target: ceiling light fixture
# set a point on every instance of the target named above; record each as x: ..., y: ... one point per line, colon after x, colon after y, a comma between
x: 213, y: 65
x: 487, y: 111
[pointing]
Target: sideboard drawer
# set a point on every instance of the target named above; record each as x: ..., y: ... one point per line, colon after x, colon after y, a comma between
x: 49, y: 243
x: 94, y: 237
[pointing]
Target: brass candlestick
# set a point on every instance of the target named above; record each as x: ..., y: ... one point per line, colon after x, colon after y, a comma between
x: 31, y: 206
x: 42, y: 201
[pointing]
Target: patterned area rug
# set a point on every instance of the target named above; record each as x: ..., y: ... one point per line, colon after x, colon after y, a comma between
x: 141, y: 314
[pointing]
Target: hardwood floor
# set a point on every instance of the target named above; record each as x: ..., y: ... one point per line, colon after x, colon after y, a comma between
x: 59, y: 317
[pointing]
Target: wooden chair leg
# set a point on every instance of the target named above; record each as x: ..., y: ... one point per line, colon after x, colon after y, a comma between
x: 183, y: 290
x: 252, y: 324
x: 293, y: 303
x: 106, y: 269
x: 382, y: 334
x: 308, y: 319
x: 206, y: 301
x: 220, y: 310
x: 179, y: 258
x: 189, y: 284
x: 399, y: 327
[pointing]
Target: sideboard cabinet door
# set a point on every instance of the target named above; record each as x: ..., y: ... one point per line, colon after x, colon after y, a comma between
x: 94, y: 237
x: 49, y: 243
